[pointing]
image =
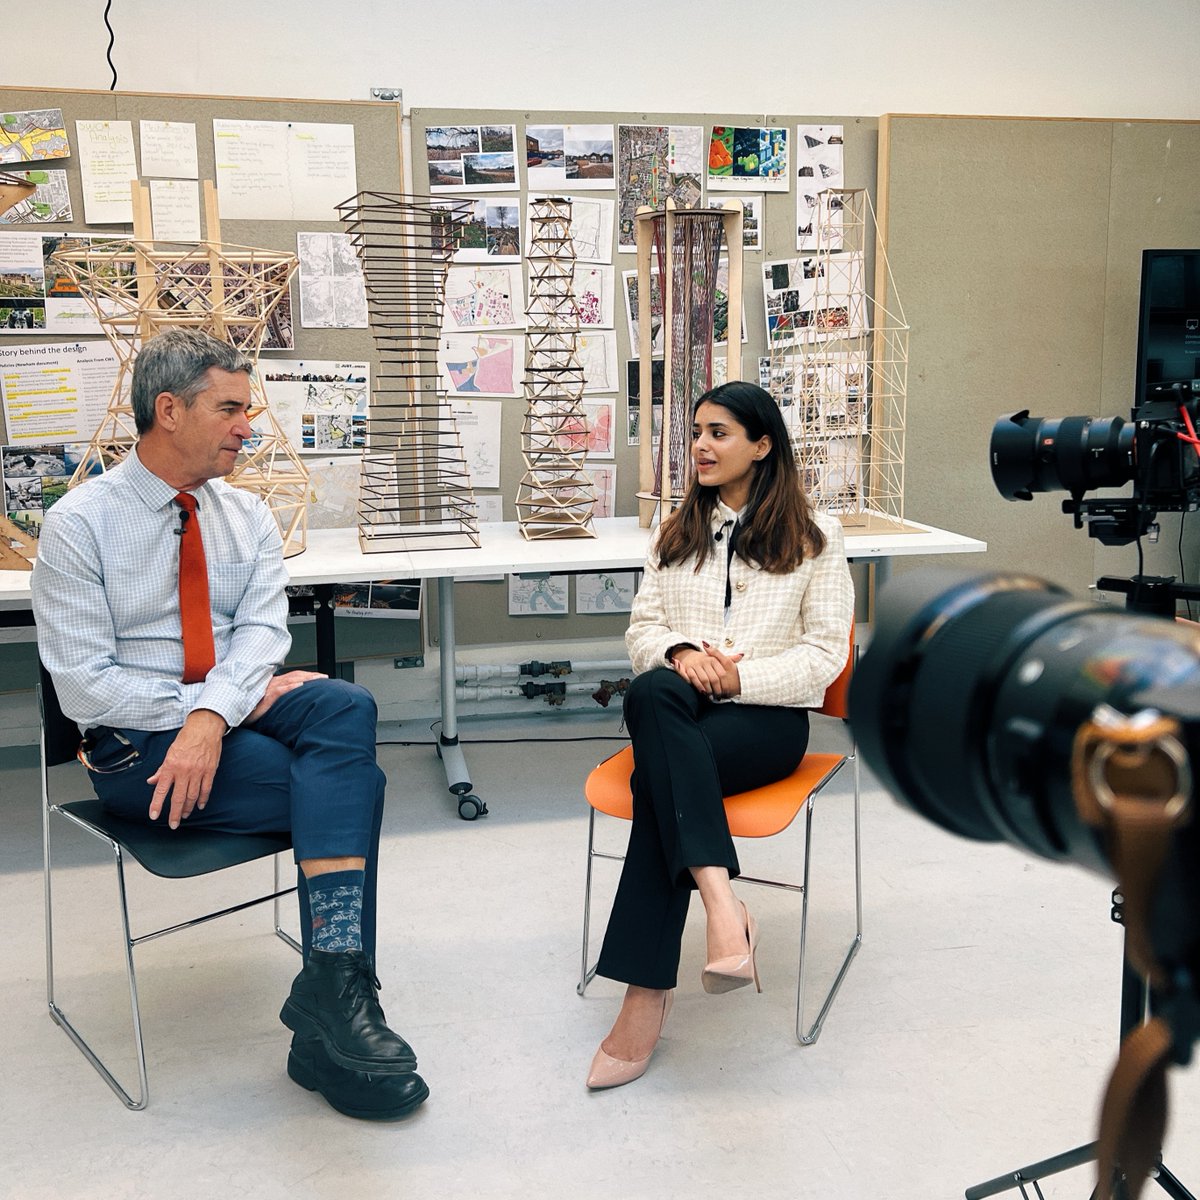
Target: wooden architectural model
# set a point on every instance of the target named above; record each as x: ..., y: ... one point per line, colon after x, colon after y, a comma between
x: 685, y: 245
x: 415, y: 484
x: 841, y: 375
x: 555, y: 498
x: 140, y: 287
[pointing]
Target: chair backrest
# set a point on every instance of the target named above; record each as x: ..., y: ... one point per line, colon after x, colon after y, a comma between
x: 837, y: 693
x: 60, y: 735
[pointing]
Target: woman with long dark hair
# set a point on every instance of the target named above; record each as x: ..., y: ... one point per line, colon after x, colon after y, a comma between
x: 742, y: 620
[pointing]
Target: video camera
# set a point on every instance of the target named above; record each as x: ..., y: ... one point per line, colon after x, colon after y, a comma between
x: 1158, y: 449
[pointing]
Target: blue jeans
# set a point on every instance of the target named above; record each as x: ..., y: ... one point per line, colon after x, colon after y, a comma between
x: 306, y: 767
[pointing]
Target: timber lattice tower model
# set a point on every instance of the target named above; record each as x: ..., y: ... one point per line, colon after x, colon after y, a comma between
x: 139, y: 287
x: 555, y: 498
x: 839, y: 370
x: 685, y: 246
x: 415, y: 485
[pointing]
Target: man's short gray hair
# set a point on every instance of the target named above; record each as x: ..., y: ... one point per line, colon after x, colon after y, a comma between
x: 176, y: 362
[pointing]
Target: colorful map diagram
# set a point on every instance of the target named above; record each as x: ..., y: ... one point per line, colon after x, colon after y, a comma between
x: 33, y: 135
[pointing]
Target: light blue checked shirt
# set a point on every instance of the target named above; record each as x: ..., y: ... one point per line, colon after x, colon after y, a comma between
x: 106, y: 601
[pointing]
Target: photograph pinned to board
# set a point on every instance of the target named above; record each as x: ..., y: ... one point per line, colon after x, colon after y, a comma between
x: 492, y: 232
x: 66, y: 309
x: 592, y: 285
x: 471, y: 156
x: 49, y: 202
x: 574, y: 157
x: 484, y: 364
x: 56, y: 391
x: 779, y: 379
x: 721, y: 307
x: 320, y: 405
x: 33, y: 478
x: 599, y: 592
x: 819, y: 165
x: 596, y: 350
x: 752, y: 218
x: 752, y: 158
x: 814, y: 299
x: 657, y: 163
x: 33, y: 135
x: 22, y: 284
x: 537, y: 595
x: 633, y: 389
x: 478, y: 424
x: 828, y: 391
x: 168, y: 150
x: 332, y: 292
x: 591, y: 226
x: 392, y: 599
x: 283, y: 170
x: 483, y: 297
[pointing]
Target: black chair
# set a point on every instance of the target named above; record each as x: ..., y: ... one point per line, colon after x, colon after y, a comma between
x: 169, y: 854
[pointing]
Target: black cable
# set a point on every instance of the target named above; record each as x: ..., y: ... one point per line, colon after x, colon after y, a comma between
x: 112, y: 41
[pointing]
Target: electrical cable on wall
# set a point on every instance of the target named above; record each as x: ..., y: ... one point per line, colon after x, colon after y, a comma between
x: 112, y: 41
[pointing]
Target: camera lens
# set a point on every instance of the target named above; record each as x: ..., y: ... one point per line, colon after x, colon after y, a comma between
x: 968, y: 699
x: 1067, y: 454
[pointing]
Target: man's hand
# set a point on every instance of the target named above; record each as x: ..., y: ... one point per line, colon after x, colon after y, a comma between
x: 276, y: 686
x: 709, y: 671
x: 186, y: 774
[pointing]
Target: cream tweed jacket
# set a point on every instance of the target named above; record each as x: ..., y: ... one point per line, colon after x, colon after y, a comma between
x: 793, y: 629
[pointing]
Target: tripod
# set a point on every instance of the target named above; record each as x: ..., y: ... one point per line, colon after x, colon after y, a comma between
x: 1152, y: 595
x: 1135, y: 997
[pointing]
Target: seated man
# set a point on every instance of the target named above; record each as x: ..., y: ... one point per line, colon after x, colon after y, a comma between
x: 161, y: 614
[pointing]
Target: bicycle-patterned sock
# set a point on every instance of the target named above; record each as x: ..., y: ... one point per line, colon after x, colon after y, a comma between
x: 335, y: 900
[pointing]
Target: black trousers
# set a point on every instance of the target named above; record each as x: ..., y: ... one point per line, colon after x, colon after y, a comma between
x: 688, y: 754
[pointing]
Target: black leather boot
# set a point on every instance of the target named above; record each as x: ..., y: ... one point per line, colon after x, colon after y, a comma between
x: 335, y: 999
x: 361, y: 1094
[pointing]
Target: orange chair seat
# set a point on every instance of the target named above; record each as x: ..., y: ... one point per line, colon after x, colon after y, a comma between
x: 760, y: 812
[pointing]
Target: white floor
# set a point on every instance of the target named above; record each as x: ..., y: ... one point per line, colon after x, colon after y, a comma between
x: 973, y: 1034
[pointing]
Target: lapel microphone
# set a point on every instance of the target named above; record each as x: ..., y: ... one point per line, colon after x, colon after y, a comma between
x: 720, y: 534
x: 183, y: 520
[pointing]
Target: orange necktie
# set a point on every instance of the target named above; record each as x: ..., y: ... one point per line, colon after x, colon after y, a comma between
x: 195, y: 616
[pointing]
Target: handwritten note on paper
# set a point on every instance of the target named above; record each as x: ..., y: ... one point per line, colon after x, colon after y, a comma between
x: 175, y: 206
x: 107, y: 163
x: 169, y: 149
x: 283, y: 171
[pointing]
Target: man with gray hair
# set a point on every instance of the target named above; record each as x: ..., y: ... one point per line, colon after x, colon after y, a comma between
x: 159, y: 598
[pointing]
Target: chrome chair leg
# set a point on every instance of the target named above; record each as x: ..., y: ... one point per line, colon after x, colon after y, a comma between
x: 56, y: 1013
x: 808, y: 1037
x: 280, y: 892
x: 586, y: 975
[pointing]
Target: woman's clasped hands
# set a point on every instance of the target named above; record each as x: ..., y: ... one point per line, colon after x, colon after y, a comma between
x: 709, y: 671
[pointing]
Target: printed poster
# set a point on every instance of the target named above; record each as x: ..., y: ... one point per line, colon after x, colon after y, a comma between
x: 56, y: 391
x: 332, y: 292
x: 48, y: 203
x: 570, y: 157
x: 818, y: 166
x: 320, y: 405
x: 656, y: 163
x: 591, y: 226
x: 33, y: 135
x: 748, y: 159
x: 485, y: 364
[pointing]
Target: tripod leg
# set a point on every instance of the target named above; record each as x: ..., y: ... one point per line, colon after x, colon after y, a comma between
x: 1169, y: 1184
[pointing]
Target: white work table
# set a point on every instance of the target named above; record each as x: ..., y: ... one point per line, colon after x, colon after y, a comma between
x: 333, y: 556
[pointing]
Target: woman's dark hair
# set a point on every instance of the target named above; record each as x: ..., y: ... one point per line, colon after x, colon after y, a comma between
x: 778, y: 530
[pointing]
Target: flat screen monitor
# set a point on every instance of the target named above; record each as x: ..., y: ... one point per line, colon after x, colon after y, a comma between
x: 1168, y: 323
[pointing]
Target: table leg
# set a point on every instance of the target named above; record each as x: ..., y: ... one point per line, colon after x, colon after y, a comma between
x: 324, y: 632
x: 458, y: 778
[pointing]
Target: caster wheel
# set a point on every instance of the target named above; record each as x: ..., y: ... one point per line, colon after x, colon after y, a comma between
x: 470, y: 807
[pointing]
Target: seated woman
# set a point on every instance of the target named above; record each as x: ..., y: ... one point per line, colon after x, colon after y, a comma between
x: 742, y: 620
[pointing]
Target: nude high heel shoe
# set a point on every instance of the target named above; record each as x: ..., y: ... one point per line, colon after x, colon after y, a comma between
x: 735, y: 970
x: 609, y: 1072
